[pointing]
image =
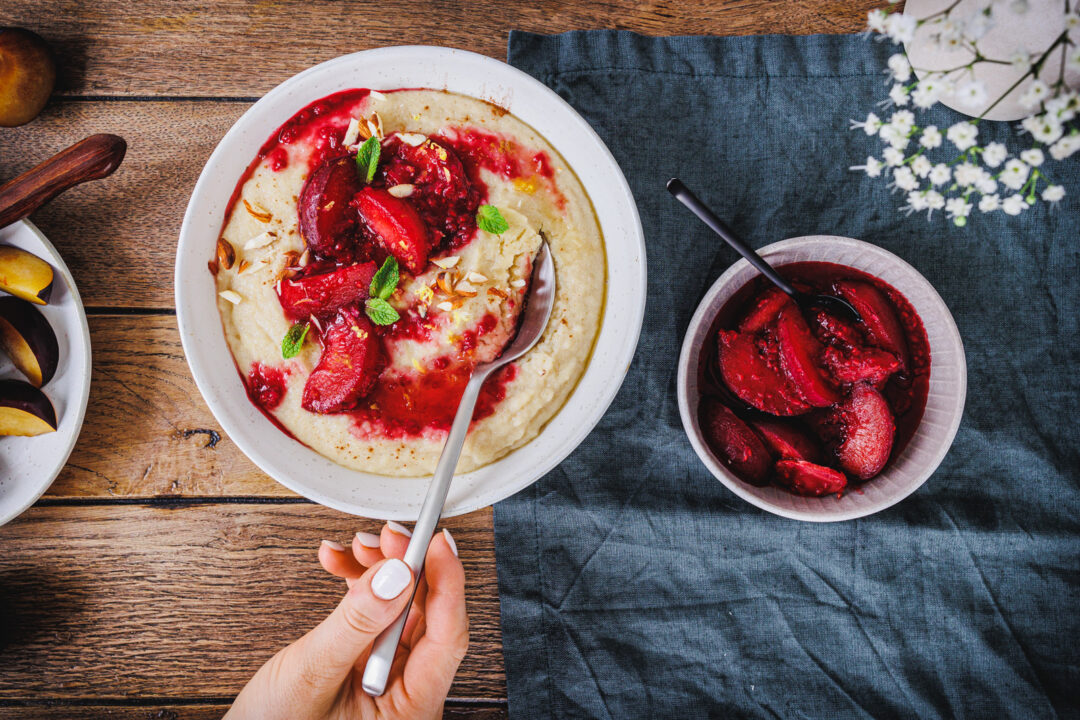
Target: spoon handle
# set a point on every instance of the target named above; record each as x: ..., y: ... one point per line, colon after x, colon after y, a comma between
x: 92, y: 158
x: 682, y: 193
x: 377, y: 669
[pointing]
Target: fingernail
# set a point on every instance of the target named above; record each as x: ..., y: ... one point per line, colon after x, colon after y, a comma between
x: 367, y: 539
x: 334, y: 545
x: 392, y: 578
x: 399, y: 528
x: 450, y: 540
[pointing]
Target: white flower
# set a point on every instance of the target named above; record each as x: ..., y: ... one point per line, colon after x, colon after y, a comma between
x: 962, y: 135
x: 941, y: 174
x: 1014, y: 205
x: 904, y: 178
x: 989, y: 203
x: 1065, y: 147
x: 921, y: 166
x: 896, y: 138
x: 875, y: 20
x: 900, y: 28
x: 994, y: 154
x: 957, y: 207
x: 978, y: 25
x: 870, y: 126
x: 1073, y: 60
x: 1063, y: 107
x: 1072, y: 21
x: 926, y: 93
x: 902, y: 120
x: 948, y: 32
x: 872, y: 168
x: 1033, y: 157
x: 1044, y: 128
x: 1053, y: 193
x: 899, y: 67
x: 987, y: 185
x: 892, y: 156
x: 899, y: 95
x: 934, y: 201
x: 1035, y: 94
x: 931, y: 137
x: 1015, y: 174
x: 916, y: 202
x: 972, y: 94
x: 1021, y: 60
x: 967, y: 174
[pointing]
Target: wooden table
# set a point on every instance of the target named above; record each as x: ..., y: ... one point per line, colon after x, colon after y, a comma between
x: 162, y: 568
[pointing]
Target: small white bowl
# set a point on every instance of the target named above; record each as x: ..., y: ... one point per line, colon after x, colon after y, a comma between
x: 944, y: 403
x: 295, y: 465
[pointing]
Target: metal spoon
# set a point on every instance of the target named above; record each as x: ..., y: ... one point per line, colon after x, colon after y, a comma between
x: 831, y: 303
x: 534, y: 318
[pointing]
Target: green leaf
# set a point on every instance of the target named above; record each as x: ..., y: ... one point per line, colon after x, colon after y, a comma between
x: 385, y: 280
x: 381, y: 312
x: 367, y: 158
x: 491, y: 220
x: 294, y: 340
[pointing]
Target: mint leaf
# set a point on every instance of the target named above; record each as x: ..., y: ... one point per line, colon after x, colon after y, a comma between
x: 367, y: 158
x: 385, y: 280
x: 381, y: 312
x: 293, y: 340
x: 491, y: 220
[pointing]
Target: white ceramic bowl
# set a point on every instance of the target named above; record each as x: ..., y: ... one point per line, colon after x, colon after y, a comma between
x: 28, y: 465
x: 293, y: 464
x: 944, y: 403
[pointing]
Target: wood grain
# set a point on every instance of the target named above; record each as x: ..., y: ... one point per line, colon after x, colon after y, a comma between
x: 243, y: 48
x: 454, y: 711
x: 147, y: 431
x: 128, y: 601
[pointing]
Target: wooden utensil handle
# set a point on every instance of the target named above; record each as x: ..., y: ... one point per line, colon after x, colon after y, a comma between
x: 91, y: 159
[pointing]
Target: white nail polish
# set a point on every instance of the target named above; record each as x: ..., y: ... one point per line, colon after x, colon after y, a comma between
x: 367, y: 539
x: 450, y: 540
x: 399, y: 528
x: 392, y: 578
x: 334, y: 545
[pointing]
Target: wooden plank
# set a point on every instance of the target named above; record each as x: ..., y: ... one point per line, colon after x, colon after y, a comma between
x: 119, y: 235
x: 199, y: 712
x: 147, y: 431
x: 237, y: 47
x: 129, y: 601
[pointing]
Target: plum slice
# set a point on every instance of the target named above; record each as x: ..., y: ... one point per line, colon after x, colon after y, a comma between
x: 396, y: 226
x: 799, y: 353
x: 29, y: 340
x: 861, y: 429
x: 878, y: 317
x: 351, y: 362
x: 787, y: 441
x: 25, y: 410
x: 859, y: 364
x: 750, y: 367
x: 765, y: 311
x: 807, y: 478
x: 323, y: 294
x: 25, y: 275
x: 734, y: 443
x: 327, y: 221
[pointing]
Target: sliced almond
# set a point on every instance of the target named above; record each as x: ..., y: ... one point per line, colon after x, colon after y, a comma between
x: 232, y: 296
x: 444, y: 283
x: 226, y: 255
x: 260, y: 241
x: 497, y: 292
x: 445, y: 306
x: 447, y: 262
x: 291, y: 258
x: 412, y: 139
x: 465, y: 288
x: 244, y: 265
x: 517, y: 283
x: 315, y: 321
x: 258, y: 213
x: 476, y: 278
x: 305, y: 257
x: 376, y: 95
x: 401, y: 191
x: 374, y: 124
x: 351, y: 133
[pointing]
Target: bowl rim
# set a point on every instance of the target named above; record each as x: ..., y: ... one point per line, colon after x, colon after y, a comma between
x: 621, y: 354
x: 741, y: 488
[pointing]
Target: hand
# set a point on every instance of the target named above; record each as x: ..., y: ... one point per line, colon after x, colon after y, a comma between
x: 318, y: 676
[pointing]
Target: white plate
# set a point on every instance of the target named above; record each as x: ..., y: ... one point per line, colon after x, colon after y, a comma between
x: 944, y: 403
x: 305, y: 471
x: 28, y: 465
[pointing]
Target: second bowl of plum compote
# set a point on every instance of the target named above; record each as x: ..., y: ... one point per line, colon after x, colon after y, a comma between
x: 810, y: 415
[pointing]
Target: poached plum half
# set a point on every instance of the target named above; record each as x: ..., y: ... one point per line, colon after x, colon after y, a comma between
x: 813, y: 403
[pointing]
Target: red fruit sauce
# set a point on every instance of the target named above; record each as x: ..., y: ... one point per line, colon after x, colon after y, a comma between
x: 266, y: 385
x: 905, y: 391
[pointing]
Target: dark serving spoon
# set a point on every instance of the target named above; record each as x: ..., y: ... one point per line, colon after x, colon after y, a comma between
x: 831, y: 303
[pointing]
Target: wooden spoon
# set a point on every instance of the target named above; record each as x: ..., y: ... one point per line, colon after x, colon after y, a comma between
x: 94, y: 158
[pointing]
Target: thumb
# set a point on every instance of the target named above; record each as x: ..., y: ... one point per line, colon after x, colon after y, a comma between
x: 328, y: 652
